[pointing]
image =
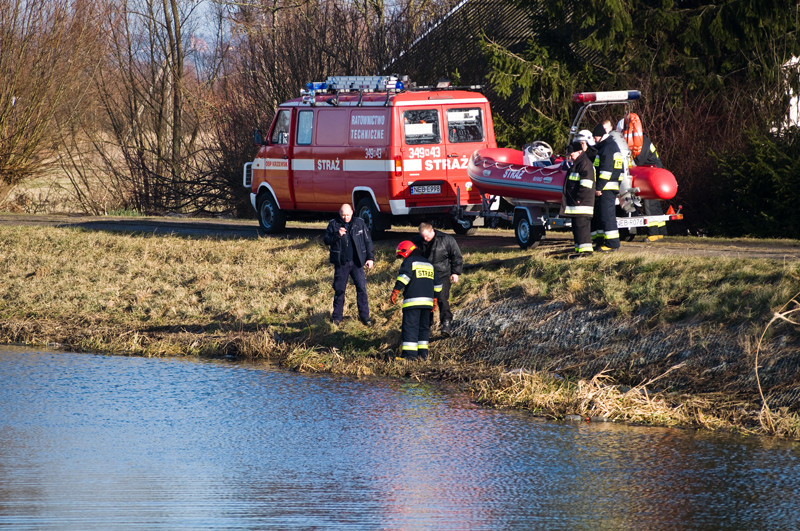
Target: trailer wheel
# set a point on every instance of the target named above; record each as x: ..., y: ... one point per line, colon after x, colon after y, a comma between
x: 527, y: 235
x: 270, y: 218
x: 376, y: 222
x: 459, y: 229
x: 627, y: 235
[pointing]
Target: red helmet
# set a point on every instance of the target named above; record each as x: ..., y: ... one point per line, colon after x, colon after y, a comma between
x: 404, y: 248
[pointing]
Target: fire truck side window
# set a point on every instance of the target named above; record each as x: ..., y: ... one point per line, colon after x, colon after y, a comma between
x: 464, y: 125
x: 305, y: 127
x: 421, y: 126
x: 280, y: 134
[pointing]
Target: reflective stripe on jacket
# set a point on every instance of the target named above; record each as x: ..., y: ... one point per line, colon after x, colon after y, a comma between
x: 579, y: 188
x: 418, y: 281
x: 609, y: 164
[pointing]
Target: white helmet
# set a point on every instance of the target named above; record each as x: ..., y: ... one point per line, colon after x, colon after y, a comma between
x: 621, y: 125
x: 584, y: 135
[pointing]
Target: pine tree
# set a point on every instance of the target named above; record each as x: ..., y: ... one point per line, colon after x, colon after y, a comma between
x: 711, y: 73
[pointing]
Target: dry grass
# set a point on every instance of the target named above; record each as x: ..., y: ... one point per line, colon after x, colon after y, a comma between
x: 270, y: 299
x: 781, y: 423
x: 600, y: 399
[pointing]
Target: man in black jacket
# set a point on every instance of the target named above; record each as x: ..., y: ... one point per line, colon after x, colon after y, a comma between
x: 442, y: 251
x: 351, y: 251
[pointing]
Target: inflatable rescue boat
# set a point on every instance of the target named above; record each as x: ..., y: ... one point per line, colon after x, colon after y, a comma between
x: 502, y: 172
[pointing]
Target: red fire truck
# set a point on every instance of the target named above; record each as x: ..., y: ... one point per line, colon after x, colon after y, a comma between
x: 388, y: 150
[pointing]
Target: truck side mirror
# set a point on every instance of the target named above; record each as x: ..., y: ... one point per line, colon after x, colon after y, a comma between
x: 257, y: 138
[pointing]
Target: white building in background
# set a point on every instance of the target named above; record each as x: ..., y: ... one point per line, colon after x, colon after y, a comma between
x: 793, y: 114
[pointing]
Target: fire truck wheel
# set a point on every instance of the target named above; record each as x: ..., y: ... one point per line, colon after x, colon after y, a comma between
x: 527, y: 235
x: 270, y: 218
x: 376, y: 222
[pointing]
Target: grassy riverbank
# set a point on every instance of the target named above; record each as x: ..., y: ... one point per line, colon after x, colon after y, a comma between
x: 270, y: 298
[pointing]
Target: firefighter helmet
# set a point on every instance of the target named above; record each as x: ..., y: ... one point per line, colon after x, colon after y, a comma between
x: 404, y: 248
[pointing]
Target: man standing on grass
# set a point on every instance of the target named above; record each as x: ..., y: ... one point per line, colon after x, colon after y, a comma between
x: 442, y: 251
x: 351, y: 251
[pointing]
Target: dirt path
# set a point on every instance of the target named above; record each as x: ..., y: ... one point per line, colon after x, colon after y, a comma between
x: 557, y: 243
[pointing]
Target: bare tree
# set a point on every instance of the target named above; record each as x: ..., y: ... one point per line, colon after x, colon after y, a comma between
x: 280, y: 45
x: 155, y: 108
x: 47, y: 52
x: 175, y: 119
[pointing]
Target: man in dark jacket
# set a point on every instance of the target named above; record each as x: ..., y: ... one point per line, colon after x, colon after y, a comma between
x: 418, y: 282
x: 351, y: 251
x: 442, y: 251
x: 651, y: 207
x: 608, y: 165
x: 579, y: 197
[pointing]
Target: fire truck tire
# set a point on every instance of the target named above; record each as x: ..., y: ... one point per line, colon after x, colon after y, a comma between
x: 527, y: 235
x: 459, y: 229
x: 376, y: 222
x: 270, y: 218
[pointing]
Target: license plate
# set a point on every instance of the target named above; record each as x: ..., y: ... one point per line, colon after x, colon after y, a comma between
x: 426, y: 189
x: 634, y: 221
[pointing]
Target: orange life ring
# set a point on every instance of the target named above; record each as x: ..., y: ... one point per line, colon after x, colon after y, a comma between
x: 633, y: 133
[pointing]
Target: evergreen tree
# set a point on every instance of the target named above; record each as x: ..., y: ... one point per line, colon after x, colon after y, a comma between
x: 709, y: 71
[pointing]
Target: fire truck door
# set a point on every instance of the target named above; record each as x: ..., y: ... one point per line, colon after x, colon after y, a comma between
x: 277, y: 163
x: 424, y: 157
x: 303, y: 160
x: 465, y: 134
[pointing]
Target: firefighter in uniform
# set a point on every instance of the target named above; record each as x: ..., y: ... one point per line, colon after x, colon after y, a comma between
x: 656, y: 230
x: 608, y: 164
x: 579, y: 197
x: 419, y: 283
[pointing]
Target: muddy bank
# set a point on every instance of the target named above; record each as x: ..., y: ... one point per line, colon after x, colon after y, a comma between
x: 574, y: 341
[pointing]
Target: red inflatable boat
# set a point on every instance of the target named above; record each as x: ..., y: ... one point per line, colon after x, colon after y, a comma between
x: 501, y: 172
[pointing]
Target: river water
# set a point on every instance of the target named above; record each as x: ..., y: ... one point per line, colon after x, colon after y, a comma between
x: 99, y: 442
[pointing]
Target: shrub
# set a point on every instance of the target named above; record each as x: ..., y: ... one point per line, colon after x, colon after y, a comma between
x: 756, y: 191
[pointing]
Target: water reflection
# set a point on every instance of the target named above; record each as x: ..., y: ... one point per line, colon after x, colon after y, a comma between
x: 104, y: 442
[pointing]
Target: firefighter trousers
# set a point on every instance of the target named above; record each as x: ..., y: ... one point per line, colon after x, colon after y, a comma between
x: 416, y: 332
x: 604, y: 221
x: 652, y: 207
x: 581, y: 233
